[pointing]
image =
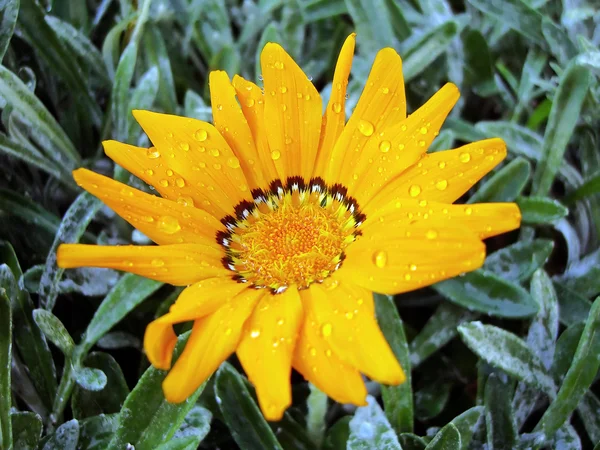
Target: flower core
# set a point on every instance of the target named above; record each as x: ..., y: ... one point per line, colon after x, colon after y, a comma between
x: 292, y: 235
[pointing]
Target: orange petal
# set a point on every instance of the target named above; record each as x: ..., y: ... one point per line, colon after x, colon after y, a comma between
x: 335, y: 114
x: 391, y: 151
x: 196, y: 301
x: 266, y: 350
x: 394, y: 258
x: 293, y: 111
x: 315, y: 359
x: 163, y: 221
x: 442, y: 176
x: 344, y: 316
x: 178, y: 264
x: 233, y: 126
x: 252, y: 102
x: 156, y: 169
x: 199, y: 153
x: 213, y: 339
x: 381, y: 105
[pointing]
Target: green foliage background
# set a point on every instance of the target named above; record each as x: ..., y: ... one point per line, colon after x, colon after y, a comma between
x: 505, y: 357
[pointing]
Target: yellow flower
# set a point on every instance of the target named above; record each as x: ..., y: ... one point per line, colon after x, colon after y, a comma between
x: 282, y: 220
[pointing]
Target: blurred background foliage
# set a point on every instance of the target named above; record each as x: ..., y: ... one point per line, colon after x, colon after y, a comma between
x: 505, y: 357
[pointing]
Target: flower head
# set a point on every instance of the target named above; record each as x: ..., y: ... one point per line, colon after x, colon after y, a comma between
x: 282, y: 220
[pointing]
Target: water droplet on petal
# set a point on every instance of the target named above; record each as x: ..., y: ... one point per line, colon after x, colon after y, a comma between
x: 233, y: 162
x: 163, y: 183
x: 441, y: 185
x: 337, y: 107
x: 200, y: 135
x: 313, y: 351
x: 152, y: 153
x: 275, y: 155
x: 465, y: 157
x: 215, y: 152
x: 385, y: 90
x: 184, y: 146
x: 149, y: 172
x: 380, y: 259
x: 168, y: 224
x: 431, y: 234
x: 414, y: 190
x: 365, y: 127
x: 185, y: 201
x: 441, y: 164
x: 228, y: 331
x: 157, y: 263
x: 326, y: 329
x: 254, y: 333
x: 385, y: 146
x: 423, y: 130
x: 283, y: 89
x: 249, y: 102
x: 468, y: 211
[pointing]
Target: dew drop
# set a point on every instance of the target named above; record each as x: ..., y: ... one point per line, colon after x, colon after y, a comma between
x: 278, y: 65
x: 275, y: 155
x: 152, y: 153
x: 422, y: 143
x: 283, y: 89
x: 233, y: 162
x: 423, y: 130
x: 441, y: 164
x: 385, y: 146
x: 169, y: 173
x: 157, y: 263
x: 326, y: 329
x: 431, y: 234
x: 184, y: 146
x: 280, y: 322
x: 313, y: 351
x: 200, y: 135
x: 465, y: 157
x: 168, y: 224
x: 215, y: 152
x: 349, y: 315
x: 414, y: 190
x: 254, y: 333
x: 163, y: 183
x: 148, y: 219
x: 441, y: 185
x: 380, y: 259
x: 365, y: 127
x: 250, y: 102
x: 328, y: 352
x: 468, y: 211
x: 149, y: 172
x: 385, y: 90
x: 401, y: 147
x: 407, y: 277
x: 185, y: 201
x: 337, y: 107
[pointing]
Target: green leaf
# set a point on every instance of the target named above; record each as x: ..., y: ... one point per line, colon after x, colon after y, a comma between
x: 516, y: 14
x: 519, y: 261
x: 574, y: 308
x: 54, y: 330
x: 372, y: 22
x: 410, y: 441
x: 316, y: 404
x: 589, y: 413
x: 129, y: 292
x: 507, y: 352
x: 88, y: 403
x: 369, y: 429
x: 485, y: 292
x: 579, y: 377
x: 566, y: 346
x: 89, y: 379
x: 566, y: 106
x: 448, y: 438
x: 26, y: 430
x: 73, y: 225
x: 420, y: 52
x: 438, y: 331
x: 182, y: 443
x: 196, y: 423
x: 157, y: 54
x: 506, y: 184
x: 149, y: 419
x: 397, y: 400
x: 583, y: 276
x: 96, y: 432
x: 479, y: 65
x: 28, y: 338
x: 520, y: 141
x: 566, y: 438
x: 588, y: 189
x: 9, y: 10
x: 142, y: 97
x: 65, y: 437
x: 338, y: 434
x: 468, y: 423
x: 49, y: 135
x: 499, y: 420
x: 431, y: 400
x: 14, y: 204
x: 243, y: 417
x: 5, y: 371
x: 541, y: 210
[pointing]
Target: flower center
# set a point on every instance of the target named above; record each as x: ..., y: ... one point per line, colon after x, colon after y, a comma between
x: 292, y: 235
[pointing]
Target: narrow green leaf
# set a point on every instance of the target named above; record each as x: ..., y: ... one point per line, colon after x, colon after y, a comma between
x: 420, y: 52
x: 485, y: 292
x: 147, y: 419
x: 369, y: 429
x: 506, y: 184
x: 448, y: 438
x: 28, y: 338
x: 431, y: 400
x: 6, y: 440
x: 245, y: 421
x: 157, y: 54
x: 31, y: 110
x: 128, y: 293
x: 589, y: 413
x: 397, y: 400
x: 468, y: 423
x: 541, y: 210
x: 142, y: 97
x: 196, y: 423
x: 574, y: 308
x: 314, y: 10
x: 89, y: 379
x: 338, y: 434
x: 507, y: 352
x: 26, y: 430
x: 516, y: 14
x: 566, y: 438
x: 583, y: 276
x: 559, y: 41
x: 519, y: 261
x: 579, y: 377
x: 566, y: 106
x: 9, y: 10
x: 566, y: 346
x: 195, y: 107
x: 65, y: 437
x: 589, y: 188
x: 182, y: 443
x: 499, y: 420
x: 372, y: 21
x: 54, y: 330
x: 96, y: 432
x: 410, y: 441
x: 479, y: 65
x: 72, y: 227
x: 315, y: 418
x: 270, y: 34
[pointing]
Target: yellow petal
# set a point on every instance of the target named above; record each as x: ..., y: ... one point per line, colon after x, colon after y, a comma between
x: 233, y: 126
x: 199, y: 153
x: 391, y: 259
x: 293, y: 110
x: 316, y: 361
x: 163, y: 221
x: 266, y: 348
x: 391, y: 151
x: 196, y: 301
x: 178, y: 264
x: 344, y: 317
x: 155, y: 168
x: 442, y: 176
x: 335, y: 113
x: 253, y: 106
x: 213, y: 339
x: 381, y: 105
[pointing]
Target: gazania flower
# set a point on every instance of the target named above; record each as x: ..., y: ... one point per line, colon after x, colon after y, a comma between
x: 282, y: 220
